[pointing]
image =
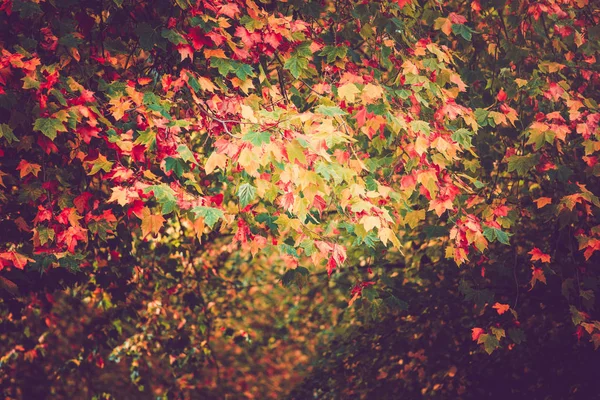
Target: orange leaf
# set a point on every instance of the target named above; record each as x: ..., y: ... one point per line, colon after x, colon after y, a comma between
x: 537, y: 274
x: 537, y: 254
x: 27, y: 168
x: 501, y: 308
x: 543, y: 201
x: 151, y: 223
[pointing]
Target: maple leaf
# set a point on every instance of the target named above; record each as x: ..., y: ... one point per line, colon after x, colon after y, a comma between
x: 27, y: 168
x: 501, y: 308
x: 537, y: 275
x: 287, y: 201
x: 501, y: 96
x: 246, y: 194
x: 476, y: 332
x: 100, y: 163
x: 537, y: 254
x: 348, y: 92
x: 210, y: 215
x: 6, y: 132
x: 71, y: 236
x: 490, y: 342
x: 543, y: 201
x: 229, y: 9
x: 151, y: 222
x: 119, y: 107
x: 18, y: 260
x: 296, y: 65
x: 214, y: 161
x: 119, y: 194
x: 370, y: 222
x: 403, y: 3
x: 185, y: 51
x: 49, y: 127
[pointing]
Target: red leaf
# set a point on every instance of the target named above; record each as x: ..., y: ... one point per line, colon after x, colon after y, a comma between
x: 476, y: 332
x: 501, y: 96
x: 537, y: 254
x: 403, y: 3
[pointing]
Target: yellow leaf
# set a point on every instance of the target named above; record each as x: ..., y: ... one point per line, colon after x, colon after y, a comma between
x: 499, y: 118
x: 244, y: 85
x: 206, y: 84
x: 137, y: 97
x: 119, y: 194
x: 409, y: 68
x: 151, y: 222
x: 348, y: 92
x: 216, y: 160
x: 386, y: 234
x: 119, y: 107
x: 248, y: 113
x: 428, y: 179
x: 248, y: 160
x: 199, y: 228
x: 520, y: 82
x: 217, y: 53
x: 443, y: 24
x: 414, y: 218
x: 421, y: 144
x: 370, y: 93
x: 370, y: 222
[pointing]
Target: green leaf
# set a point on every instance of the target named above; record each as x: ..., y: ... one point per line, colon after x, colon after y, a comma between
x: 45, y: 234
x: 257, y: 138
x: 522, y: 164
x: 462, y: 30
x: 147, y: 35
x: 147, y: 138
x: 538, y: 138
x: 269, y: 221
x: 222, y: 65
x: 173, y: 36
x: 421, y: 126
x: 100, y: 163
x: 176, y: 165
x: 334, y: 52
x: 186, y: 154
x: 482, y: 116
x: 49, y: 127
x: 59, y: 96
x: 495, y: 234
x: 246, y: 193
x: 330, y: 111
x: 516, y: 335
x: 463, y: 137
x: 289, y: 277
x: 6, y: 132
x: 211, y: 215
x: 193, y: 82
x: 164, y: 195
x: 289, y: 250
x: 30, y: 83
x: 242, y: 71
x: 490, y: 342
x: 296, y: 64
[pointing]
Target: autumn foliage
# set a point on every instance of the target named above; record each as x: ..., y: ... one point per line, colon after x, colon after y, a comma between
x: 198, y: 197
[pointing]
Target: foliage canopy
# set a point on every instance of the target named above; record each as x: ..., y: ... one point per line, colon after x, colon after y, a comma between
x: 196, y: 195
